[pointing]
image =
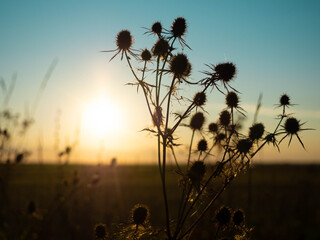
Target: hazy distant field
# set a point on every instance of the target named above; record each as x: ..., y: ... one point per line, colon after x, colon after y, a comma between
x: 284, y: 201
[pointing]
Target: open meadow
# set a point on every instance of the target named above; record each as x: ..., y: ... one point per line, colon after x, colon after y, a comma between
x: 282, y: 201
x: 134, y: 120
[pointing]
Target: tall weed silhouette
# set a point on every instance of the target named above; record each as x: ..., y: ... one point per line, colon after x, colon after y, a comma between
x: 160, y: 73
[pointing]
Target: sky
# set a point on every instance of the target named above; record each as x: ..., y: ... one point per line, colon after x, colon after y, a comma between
x: 275, y: 45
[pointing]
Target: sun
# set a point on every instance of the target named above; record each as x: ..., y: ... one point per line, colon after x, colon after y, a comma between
x: 102, y: 117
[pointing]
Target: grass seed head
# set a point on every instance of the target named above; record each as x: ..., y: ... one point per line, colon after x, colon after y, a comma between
x: 232, y: 100
x: 124, y: 40
x: 140, y: 214
x: 225, y: 118
x: 197, y: 121
x: 179, y: 27
x: 146, y: 55
x: 202, y: 145
x: 225, y: 71
x: 256, y: 131
x: 199, y: 99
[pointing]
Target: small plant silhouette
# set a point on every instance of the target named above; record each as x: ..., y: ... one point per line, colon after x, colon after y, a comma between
x: 165, y: 68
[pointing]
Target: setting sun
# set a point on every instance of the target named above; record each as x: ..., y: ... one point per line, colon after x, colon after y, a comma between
x: 102, y: 117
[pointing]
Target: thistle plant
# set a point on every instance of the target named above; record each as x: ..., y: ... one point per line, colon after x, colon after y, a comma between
x: 160, y: 72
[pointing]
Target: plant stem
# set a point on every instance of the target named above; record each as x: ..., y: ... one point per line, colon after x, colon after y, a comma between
x: 205, y: 210
x: 164, y: 156
x: 190, y: 147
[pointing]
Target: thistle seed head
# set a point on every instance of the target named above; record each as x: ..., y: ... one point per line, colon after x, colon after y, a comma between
x: 146, y: 55
x: 161, y: 48
x: 179, y: 27
x: 292, y: 125
x: 225, y: 71
x: 140, y: 214
x: 124, y: 40
x: 225, y: 118
x: 238, y: 217
x: 256, y: 131
x: 100, y: 231
x: 244, y: 146
x: 220, y: 137
x: 156, y: 28
x: 232, y: 100
x: 199, y: 99
x: 202, y: 145
x: 180, y: 66
x: 197, y: 121
x: 284, y: 100
x: 213, y: 127
x: 197, y: 171
x: 223, y: 216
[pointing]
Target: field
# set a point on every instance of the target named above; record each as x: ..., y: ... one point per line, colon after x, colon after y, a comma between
x: 282, y: 201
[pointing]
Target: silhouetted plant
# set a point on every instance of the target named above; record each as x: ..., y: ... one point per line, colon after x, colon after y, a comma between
x: 169, y: 68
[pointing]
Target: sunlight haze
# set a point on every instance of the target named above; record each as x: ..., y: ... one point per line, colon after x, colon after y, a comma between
x: 87, y: 104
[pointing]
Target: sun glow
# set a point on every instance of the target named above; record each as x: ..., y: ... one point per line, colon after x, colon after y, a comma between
x: 102, y: 117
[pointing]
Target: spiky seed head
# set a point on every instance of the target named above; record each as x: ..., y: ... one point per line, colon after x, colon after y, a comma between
x: 292, y: 125
x: 180, y: 66
x: 232, y: 100
x: 284, y: 100
x: 238, y: 217
x: 202, y: 145
x: 199, y: 99
x: 160, y: 48
x: 256, y: 131
x: 223, y: 216
x: 213, y: 127
x: 146, y: 55
x: 197, y: 121
x: 225, y: 71
x: 220, y: 137
x: 179, y: 27
x: 124, y: 40
x: 197, y: 171
x: 156, y: 28
x: 270, y: 137
x: 244, y: 145
x: 31, y: 207
x: 100, y: 231
x: 140, y: 214
x: 225, y: 118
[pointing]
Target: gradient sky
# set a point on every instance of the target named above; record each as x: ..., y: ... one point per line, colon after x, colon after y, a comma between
x: 275, y: 45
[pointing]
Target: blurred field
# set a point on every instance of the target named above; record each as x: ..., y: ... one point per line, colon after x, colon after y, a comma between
x: 282, y: 202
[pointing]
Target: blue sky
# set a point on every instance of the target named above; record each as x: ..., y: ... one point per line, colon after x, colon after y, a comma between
x: 275, y: 45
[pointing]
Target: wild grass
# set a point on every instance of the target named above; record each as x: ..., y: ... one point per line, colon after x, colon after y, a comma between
x: 284, y: 200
